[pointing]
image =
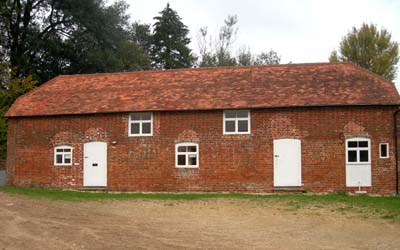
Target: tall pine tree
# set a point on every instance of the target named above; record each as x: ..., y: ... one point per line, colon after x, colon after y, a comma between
x: 170, y: 42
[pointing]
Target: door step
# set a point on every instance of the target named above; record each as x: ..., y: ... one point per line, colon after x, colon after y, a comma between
x: 93, y: 189
x: 289, y: 190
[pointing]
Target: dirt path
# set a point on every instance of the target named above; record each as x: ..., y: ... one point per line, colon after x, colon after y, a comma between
x: 27, y: 223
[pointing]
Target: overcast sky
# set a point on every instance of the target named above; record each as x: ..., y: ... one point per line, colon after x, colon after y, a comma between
x: 300, y: 31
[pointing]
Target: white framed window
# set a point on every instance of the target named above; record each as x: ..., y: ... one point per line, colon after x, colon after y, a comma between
x: 384, y: 150
x: 236, y: 122
x: 358, y: 151
x: 141, y: 124
x: 187, y: 155
x: 63, y: 156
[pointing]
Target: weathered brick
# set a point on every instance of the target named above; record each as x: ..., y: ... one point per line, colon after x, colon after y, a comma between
x: 237, y: 163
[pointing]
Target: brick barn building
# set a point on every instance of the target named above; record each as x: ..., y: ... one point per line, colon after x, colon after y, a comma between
x: 318, y: 127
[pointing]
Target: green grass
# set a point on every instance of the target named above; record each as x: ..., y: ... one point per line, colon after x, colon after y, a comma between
x: 383, y: 207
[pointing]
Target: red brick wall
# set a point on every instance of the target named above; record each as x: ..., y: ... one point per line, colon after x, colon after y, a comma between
x: 227, y: 162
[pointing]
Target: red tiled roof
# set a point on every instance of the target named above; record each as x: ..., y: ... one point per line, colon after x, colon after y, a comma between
x: 292, y: 85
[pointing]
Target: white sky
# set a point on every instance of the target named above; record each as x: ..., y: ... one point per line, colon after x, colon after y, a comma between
x: 299, y: 31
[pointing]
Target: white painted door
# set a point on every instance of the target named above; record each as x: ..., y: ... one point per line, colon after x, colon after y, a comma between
x: 287, y: 163
x: 95, y: 164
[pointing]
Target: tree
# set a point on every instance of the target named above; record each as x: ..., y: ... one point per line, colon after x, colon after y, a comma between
x: 267, y: 58
x: 217, y: 51
x: 141, y: 35
x: 170, y: 42
x: 371, y: 49
x: 45, y: 38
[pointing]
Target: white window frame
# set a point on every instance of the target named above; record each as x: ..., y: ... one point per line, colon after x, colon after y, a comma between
x: 140, y: 122
x: 387, y: 151
x: 236, y: 119
x: 186, y: 144
x: 358, y: 151
x: 63, y: 155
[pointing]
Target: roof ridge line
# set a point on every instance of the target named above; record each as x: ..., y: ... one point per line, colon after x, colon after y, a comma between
x: 205, y: 68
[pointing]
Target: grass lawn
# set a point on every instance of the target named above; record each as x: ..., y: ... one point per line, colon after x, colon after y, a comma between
x: 384, y: 207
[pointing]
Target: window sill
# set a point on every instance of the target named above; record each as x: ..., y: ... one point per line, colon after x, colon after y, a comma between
x: 189, y: 167
x: 242, y: 133
x: 143, y: 135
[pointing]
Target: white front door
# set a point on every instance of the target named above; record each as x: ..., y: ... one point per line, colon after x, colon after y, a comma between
x: 287, y: 163
x: 95, y: 164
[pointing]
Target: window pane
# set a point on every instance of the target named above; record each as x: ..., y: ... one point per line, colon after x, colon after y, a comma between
x: 182, y: 149
x: 146, y: 128
x: 352, y: 156
x: 59, y: 159
x: 135, y: 117
x: 59, y: 150
x: 135, y: 128
x: 384, y: 150
x: 67, y: 150
x: 230, y: 114
x: 192, y: 149
x: 146, y: 116
x: 192, y: 160
x: 352, y: 144
x: 229, y: 126
x: 181, y: 160
x: 242, y: 114
x: 363, y: 144
x: 243, y: 126
x: 363, y: 155
x: 67, y: 158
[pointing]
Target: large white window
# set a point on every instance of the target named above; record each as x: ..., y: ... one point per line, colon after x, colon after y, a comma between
x: 63, y: 156
x: 236, y: 122
x: 187, y: 155
x: 358, y: 151
x: 141, y: 124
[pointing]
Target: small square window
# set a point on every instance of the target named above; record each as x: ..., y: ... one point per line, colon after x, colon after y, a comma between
x: 236, y: 122
x: 141, y: 124
x: 63, y: 156
x: 187, y: 155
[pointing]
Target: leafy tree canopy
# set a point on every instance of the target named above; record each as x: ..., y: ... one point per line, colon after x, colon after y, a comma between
x: 369, y: 48
x: 45, y: 38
